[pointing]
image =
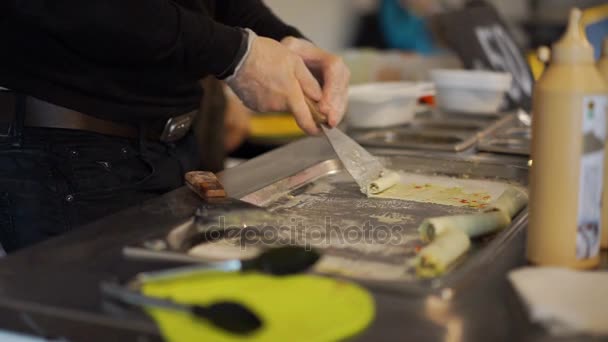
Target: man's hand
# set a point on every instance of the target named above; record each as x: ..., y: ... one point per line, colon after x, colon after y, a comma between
x: 273, y: 78
x: 331, y: 72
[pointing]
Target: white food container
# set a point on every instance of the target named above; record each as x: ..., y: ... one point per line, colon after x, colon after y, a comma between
x: 471, y: 91
x: 375, y: 105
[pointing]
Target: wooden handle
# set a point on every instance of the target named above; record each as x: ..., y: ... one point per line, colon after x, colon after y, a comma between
x: 205, y: 184
x: 319, y: 118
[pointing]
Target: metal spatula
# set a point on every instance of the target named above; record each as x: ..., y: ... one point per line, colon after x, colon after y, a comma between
x: 359, y: 163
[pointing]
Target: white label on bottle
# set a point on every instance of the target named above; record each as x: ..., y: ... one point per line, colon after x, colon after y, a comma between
x: 591, y: 177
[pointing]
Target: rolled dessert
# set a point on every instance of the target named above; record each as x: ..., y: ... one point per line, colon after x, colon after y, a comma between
x: 387, y: 180
x: 472, y: 225
x: 446, y: 233
x: 435, y: 258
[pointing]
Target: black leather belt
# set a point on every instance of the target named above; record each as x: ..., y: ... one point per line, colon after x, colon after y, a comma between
x: 39, y: 113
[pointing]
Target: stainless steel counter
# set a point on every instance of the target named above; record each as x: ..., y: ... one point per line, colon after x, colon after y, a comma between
x: 52, y: 289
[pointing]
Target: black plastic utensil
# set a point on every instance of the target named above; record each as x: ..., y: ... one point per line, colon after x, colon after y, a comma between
x: 230, y: 316
x: 278, y: 261
x: 282, y: 260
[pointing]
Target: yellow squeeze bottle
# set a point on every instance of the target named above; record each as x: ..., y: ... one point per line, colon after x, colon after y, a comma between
x: 568, y: 138
x: 603, y: 67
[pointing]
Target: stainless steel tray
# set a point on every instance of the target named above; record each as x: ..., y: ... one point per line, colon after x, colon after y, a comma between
x: 323, y: 200
x: 510, y: 137
x: 430, y: 131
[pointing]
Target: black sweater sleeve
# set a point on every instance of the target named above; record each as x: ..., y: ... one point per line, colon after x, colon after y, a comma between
x: 125, y: 59
x: 255, y: 15
x: 137, y: 32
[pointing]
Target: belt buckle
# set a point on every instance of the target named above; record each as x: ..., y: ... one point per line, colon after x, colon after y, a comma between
x: 177, y: 127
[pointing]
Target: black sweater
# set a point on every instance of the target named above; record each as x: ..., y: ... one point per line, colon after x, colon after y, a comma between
x: 125, y: 60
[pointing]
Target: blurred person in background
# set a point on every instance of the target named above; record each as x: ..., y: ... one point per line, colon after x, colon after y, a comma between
x: 401, y: 24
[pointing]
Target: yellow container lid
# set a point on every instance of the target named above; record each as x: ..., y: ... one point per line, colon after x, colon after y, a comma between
x: 274, y: 125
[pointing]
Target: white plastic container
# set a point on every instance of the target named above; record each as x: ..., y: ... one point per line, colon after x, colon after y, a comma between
x: 471, y: 91
x: 375, y: 105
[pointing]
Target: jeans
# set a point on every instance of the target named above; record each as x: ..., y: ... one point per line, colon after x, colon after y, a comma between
x: 59, y: 180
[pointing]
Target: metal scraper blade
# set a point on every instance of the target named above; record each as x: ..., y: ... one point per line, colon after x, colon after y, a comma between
x: 359, y: 163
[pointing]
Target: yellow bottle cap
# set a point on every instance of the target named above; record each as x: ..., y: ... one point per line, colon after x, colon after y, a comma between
x: 574, y: 46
